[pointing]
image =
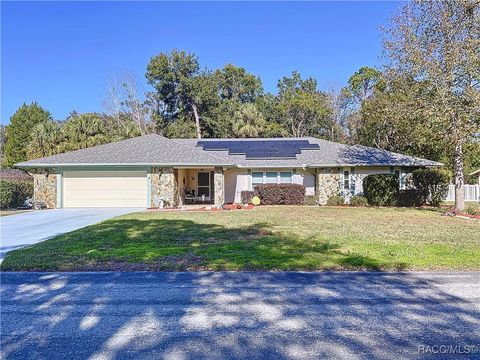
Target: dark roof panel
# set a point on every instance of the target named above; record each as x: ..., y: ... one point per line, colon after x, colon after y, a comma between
x: 267, y: 152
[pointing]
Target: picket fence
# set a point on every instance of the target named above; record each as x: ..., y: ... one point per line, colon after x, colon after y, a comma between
x: 470, y: 193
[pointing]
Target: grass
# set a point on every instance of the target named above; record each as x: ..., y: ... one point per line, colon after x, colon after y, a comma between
x: 268, y: 238
x: 11, y: 212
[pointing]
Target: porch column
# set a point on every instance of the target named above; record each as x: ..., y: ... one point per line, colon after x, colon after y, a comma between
x: 219, y: 186
x: 45, y: 189
x: 327, y: 184
x: 163, y: 186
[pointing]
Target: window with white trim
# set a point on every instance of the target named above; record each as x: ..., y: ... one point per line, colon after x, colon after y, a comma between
x: 257, y: 177
x: 346, y: 180
x: 271, y: 177
x: 285, y: 177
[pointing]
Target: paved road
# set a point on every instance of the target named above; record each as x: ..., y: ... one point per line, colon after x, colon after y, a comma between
x: 29, y: 228
x: 228, y: 315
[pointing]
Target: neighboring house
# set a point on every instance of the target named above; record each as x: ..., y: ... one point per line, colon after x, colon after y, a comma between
x: 477, y: 173
x: 14, y: 175
x: 143, y: 171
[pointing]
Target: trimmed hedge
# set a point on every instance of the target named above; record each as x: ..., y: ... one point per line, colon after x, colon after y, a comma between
x: 358, y: 200
x: 281, y: 194
x: 246, y: 196
x: 7, y: 188
x: 335, y: 200
x: 381, y: 189
x: 14, y: 193
x: 431, y: 184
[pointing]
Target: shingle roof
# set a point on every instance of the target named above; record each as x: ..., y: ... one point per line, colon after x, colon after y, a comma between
x: 328, y: 154
x: 157, y: 150
x: 14, y: 174
x: 150, y: 149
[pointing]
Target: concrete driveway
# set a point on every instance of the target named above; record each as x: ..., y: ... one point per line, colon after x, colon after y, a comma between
x: 29, y: 228
x: 240, y: 315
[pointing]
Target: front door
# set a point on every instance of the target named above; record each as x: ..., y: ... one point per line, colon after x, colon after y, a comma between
x: 203, y: 186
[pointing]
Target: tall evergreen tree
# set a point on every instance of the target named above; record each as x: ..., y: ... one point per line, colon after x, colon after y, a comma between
x: 19, y: 129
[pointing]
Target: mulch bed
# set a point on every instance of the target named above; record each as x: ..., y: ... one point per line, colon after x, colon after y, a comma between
x: 452, y: 212
x: 231, y: 206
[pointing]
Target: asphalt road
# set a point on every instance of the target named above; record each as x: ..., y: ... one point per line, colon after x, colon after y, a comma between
x: 29, y: 228
x: 248, y: 315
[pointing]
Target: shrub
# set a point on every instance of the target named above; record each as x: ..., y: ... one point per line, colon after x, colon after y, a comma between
x: 14, y: 193
x: 23, y: 190
x: 358, y: 200
x: 432, y: 185
x: 7, y: 190
x: 281, y: 194
x: 336, y: 200
x: 408, y: 198
x: 472, y: 210
x: 381, y: 189
x: 246, y: 196
x: 310, y: 200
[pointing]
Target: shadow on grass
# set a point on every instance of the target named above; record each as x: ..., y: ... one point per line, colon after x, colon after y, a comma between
x: 166, y: 244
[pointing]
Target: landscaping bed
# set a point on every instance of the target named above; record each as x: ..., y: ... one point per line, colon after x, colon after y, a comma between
x: 269, y: 238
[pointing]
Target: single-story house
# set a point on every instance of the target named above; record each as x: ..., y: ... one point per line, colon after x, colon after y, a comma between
x: 147, y: 170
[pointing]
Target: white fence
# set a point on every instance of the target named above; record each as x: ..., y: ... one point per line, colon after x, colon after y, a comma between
x: 470, y: 193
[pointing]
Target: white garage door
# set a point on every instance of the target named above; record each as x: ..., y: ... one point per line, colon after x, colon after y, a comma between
x: 104, y: 189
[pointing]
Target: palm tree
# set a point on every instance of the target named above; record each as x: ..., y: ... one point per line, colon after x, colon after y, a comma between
x: 83, y: 131
x: 45, y: 140
x: 248, y: 121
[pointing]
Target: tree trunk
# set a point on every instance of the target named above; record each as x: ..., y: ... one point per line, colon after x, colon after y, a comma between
x: 197, y: 121
x: 459, y: 178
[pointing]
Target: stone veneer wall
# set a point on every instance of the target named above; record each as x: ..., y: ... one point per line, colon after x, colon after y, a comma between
x: 219, y: 185
x: 327, y: 184
x: 45, y: 189
x: 163, y: 185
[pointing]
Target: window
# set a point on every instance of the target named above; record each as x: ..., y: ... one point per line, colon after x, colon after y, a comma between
x: 257, y: 178
x: 285, y: 177
x: 271, y: 177
x: 400, y: 178
x: 346, y: 180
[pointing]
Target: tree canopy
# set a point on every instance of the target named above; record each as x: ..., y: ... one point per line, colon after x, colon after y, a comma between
x: 18, y: 132
x: 424, y: 101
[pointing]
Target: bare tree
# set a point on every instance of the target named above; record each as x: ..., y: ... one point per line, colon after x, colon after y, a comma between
x: 340, y: 112
x: 112, y: 102
x: 124, y: 102
x: 438, y: 43
x: 133, y: 103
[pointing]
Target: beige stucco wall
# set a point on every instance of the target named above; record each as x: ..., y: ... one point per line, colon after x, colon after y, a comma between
x: 305, y: 178
x: 182, y: 182
x: 45, y: 189
x: 236, y: 180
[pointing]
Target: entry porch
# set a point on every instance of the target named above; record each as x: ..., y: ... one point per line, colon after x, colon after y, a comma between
x: 199, y: 186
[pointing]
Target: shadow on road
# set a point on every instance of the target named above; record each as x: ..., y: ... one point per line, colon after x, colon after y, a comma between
x: 276, y: 315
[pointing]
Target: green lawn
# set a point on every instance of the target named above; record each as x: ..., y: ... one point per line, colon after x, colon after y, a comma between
x: 268, y: 238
